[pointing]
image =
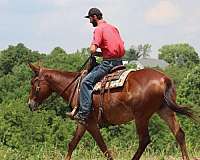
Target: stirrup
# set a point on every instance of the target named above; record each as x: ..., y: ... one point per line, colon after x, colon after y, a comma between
x: 80, y: 120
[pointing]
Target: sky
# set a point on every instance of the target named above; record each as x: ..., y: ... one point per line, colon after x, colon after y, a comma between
x: 43, y: 25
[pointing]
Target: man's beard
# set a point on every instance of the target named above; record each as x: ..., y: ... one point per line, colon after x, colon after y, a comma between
x: 94, y: 23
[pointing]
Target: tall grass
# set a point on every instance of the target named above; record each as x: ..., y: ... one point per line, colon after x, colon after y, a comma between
x: 82, y: 153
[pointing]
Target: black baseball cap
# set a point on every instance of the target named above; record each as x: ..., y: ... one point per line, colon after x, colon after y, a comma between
x: 94, y: 11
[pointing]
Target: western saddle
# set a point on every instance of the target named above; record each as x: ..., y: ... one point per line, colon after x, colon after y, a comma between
x: 114, y: 74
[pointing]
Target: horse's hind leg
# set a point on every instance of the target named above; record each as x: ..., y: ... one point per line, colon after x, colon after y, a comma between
x: 143, y: 133
x: 80, y: 130
x: 169, y: 117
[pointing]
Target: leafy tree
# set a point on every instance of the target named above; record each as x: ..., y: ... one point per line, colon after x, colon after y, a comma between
x: 16, y: 55
x: 189, y: 89
x: 134, y: 53
x: 59, y: 59
x: 57, y: 51
x: 177, y: 73
x: 144, y: 50
x: 180, y: 54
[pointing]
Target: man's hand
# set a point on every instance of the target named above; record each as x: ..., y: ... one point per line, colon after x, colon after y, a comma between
x: 98, y: 54
x: 93, y: 49
x: 94, y: 52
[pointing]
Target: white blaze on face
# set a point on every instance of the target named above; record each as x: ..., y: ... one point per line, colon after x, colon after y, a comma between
x: 31, y: 102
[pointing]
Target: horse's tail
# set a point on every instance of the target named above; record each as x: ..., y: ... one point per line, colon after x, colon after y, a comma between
x: 169, y: 99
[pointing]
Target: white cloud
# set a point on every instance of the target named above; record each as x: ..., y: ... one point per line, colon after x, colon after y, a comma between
x: 163, y: 13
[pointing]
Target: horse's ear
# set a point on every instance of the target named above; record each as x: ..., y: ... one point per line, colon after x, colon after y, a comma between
x: 34, y: 68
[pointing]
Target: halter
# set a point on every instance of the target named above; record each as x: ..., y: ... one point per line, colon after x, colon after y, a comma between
x: 37, y: 81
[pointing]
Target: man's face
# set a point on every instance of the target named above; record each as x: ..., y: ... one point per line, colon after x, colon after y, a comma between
x: 93, y: 21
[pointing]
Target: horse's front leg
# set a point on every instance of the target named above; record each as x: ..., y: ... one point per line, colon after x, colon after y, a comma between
x: 94, y: 130
x: 80, y: 130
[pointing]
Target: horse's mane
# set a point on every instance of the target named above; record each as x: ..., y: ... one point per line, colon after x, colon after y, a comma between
x: 58, y: 74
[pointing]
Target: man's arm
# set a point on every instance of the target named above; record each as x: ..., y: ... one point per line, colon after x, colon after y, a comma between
x: 94, y: 52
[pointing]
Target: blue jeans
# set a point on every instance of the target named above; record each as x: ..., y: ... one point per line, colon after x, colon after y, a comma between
x: 89, y: 82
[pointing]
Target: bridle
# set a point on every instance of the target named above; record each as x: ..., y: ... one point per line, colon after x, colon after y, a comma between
x: 37, y: 82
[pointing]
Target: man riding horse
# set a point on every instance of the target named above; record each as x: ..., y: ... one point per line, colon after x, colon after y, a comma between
x: 108, y: 39
x: 145, y: 92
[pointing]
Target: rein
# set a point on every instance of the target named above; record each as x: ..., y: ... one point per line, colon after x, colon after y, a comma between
x: 75, y: 78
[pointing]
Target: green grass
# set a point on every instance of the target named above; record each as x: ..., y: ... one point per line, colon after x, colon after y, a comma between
x: 89, y: 154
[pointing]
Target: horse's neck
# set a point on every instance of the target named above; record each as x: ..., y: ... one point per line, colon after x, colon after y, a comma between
x: 62, y: 83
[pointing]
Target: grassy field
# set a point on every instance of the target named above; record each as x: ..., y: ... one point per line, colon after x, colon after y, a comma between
x: 94, y: 154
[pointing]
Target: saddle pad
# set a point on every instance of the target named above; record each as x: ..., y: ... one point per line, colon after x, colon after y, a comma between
x: 114, y: 83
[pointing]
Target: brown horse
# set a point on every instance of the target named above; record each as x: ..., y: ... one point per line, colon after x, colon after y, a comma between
x: 144, y: 93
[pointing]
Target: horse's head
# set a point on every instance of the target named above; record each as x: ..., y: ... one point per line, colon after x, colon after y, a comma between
x: 40, y: 88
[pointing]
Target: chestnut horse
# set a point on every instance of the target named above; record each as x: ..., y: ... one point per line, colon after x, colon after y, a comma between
x: 144, y: 93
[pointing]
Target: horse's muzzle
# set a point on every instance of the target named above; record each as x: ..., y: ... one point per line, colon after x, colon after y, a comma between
x: 32, y: 105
